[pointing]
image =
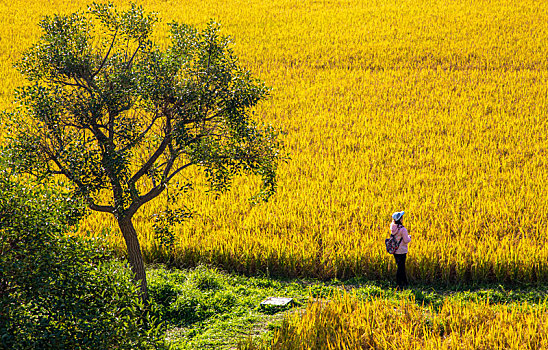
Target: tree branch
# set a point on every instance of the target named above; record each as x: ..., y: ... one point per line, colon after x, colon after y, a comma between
x: 106, y: 56
x: 102, y: 208
x: 150, y: 195
x: 178, y: 170
x: 155, y: 191
x: 167, y: 169
x: 133, y: 56
x: 207, y: 119
x: 76, y: 126
x: 140, y: 137
x: 65, y: 172
x: 77, y: 84
x: 108, y: 147
x: 150, y: 162
x: 100, y: 136
x: 111, y: 125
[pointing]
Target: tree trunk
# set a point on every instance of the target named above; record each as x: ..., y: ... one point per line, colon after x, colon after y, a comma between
x: 135, y: 256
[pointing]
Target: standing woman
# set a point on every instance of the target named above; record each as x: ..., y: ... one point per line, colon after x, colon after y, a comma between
x: 400, y: 232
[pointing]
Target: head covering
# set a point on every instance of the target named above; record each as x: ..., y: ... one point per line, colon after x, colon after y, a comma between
x: 398, y: 215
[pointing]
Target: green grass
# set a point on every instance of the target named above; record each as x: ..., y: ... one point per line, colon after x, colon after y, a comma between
x: 205, y: 308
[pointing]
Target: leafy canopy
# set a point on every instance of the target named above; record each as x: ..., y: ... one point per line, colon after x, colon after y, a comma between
x: 109, y: 109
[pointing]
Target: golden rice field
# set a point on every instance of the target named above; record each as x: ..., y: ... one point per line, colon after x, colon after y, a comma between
x: 349, y: 323
x: 438, y: 108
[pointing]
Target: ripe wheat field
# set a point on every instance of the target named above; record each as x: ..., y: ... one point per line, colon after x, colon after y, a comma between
x: 438, y: 108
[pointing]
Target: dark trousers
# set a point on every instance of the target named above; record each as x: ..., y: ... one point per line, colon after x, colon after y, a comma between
x: 401, y: 277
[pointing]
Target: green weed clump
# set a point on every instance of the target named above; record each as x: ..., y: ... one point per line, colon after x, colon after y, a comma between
x: 186, y: 299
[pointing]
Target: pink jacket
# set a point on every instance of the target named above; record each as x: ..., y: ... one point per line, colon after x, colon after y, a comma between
x: 401, y: 233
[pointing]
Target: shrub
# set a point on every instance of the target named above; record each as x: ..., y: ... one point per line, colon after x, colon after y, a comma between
x: 60, y: 292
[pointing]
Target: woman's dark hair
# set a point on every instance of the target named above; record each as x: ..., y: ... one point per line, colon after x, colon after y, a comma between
x: 398, y: 222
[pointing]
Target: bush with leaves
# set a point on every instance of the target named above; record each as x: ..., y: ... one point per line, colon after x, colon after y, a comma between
x: 59, y: 292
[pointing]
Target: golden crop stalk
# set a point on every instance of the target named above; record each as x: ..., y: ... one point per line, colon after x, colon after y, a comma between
x: 436, y: 108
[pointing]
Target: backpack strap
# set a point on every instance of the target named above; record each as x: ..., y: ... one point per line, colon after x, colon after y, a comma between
x: 401, y: 238
x: 394, y: 234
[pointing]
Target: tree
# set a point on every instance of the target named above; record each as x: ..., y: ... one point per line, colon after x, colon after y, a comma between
x: 113, y: 113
